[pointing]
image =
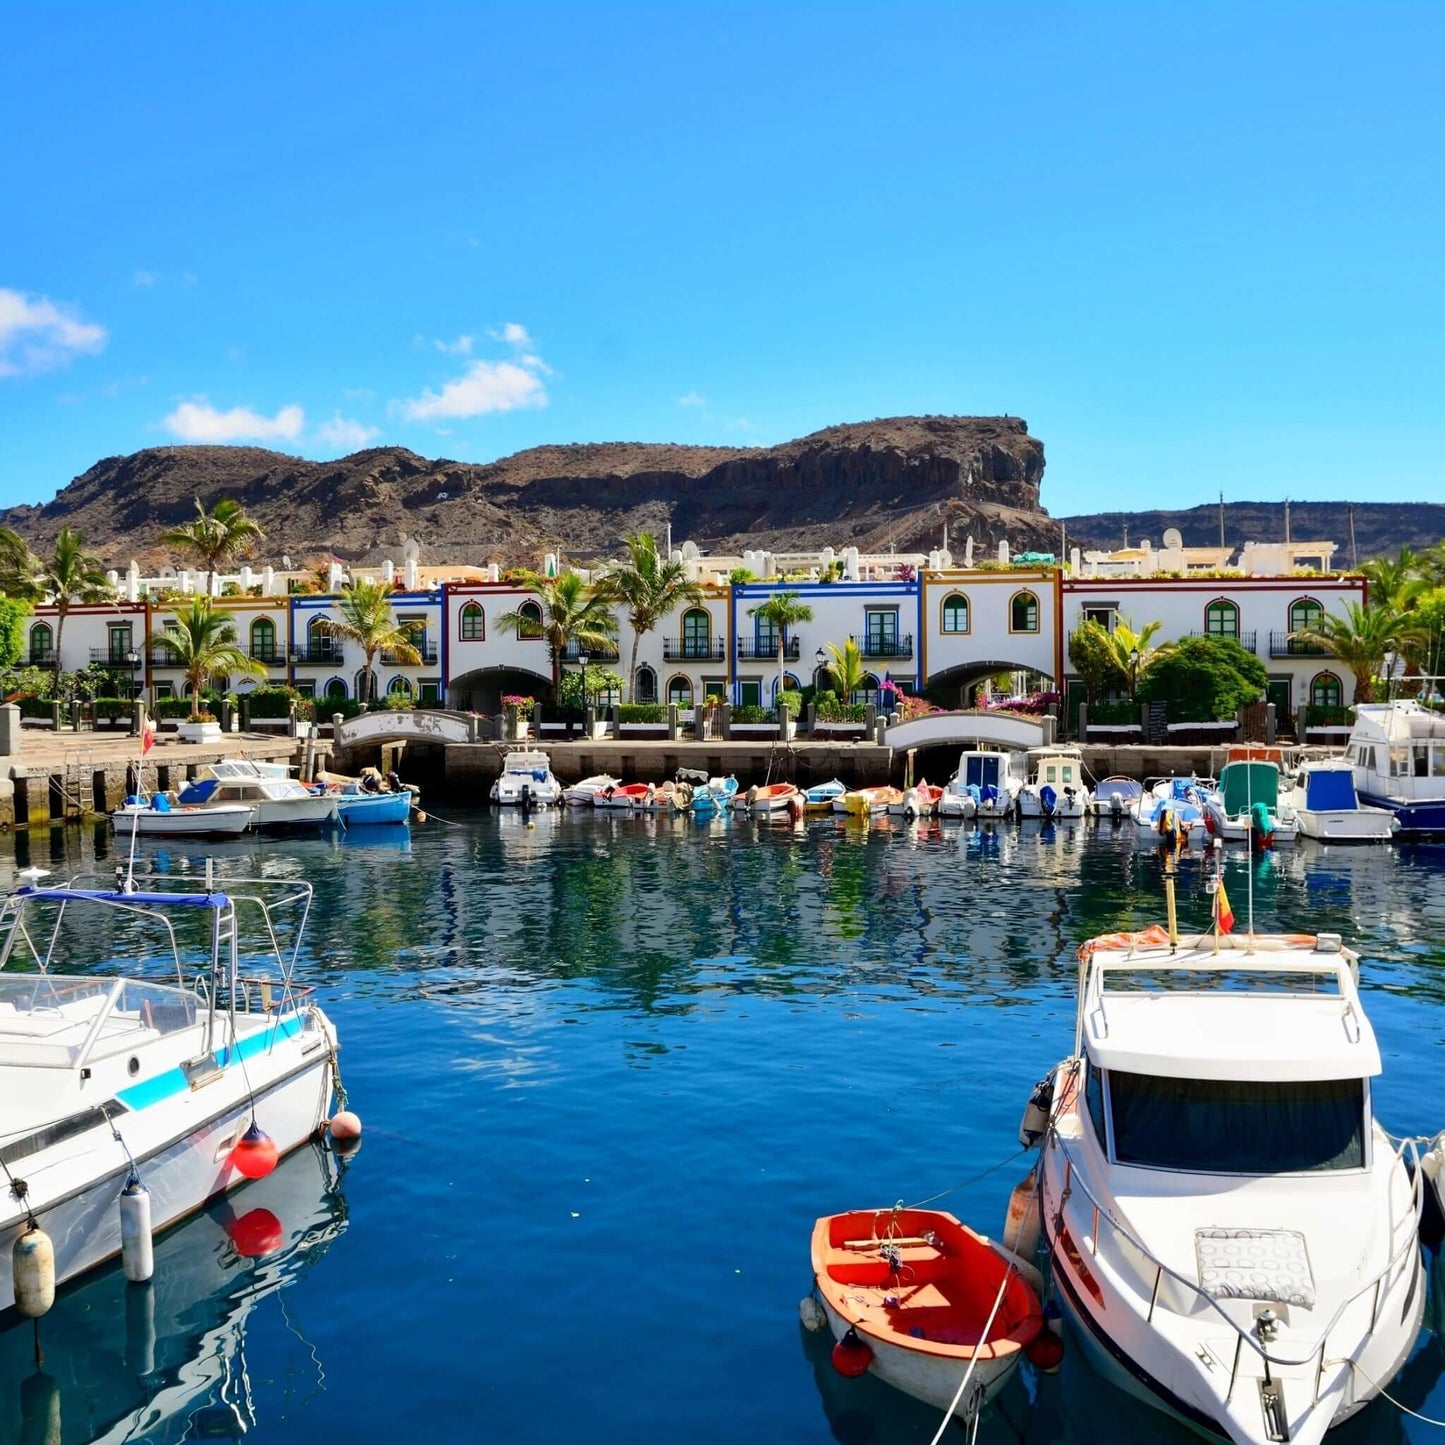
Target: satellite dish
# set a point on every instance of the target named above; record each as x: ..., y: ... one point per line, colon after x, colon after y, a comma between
x: 1172, y: 537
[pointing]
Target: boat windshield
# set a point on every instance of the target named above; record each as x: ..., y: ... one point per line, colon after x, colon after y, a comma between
x: 1229, y: 1126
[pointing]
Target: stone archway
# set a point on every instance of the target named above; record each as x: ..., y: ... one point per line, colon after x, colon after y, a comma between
x: 483, y: 689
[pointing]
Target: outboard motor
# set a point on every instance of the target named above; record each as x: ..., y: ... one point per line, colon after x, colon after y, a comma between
x: 1048, y: 800
x: 1116, y: 808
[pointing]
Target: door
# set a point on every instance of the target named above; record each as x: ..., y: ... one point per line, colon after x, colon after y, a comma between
x: 881, y: 634
x: 1279, y: 692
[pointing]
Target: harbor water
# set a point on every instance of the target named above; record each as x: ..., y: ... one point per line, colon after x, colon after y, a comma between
x: 611, y: 1069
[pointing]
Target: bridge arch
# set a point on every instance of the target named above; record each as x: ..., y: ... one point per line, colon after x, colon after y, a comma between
x: 954, y: 686
x: 483, y: 689
x: 994, y: 729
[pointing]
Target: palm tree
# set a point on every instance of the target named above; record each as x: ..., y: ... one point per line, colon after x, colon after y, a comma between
x: 650, y: 588
x: 69, y: 574
x: 781, y: 611
x: 368, y: 621
x: 847, y: 668
x: 1131, y: 651
x: 204, y: 642
x: 215, y: 537
x: 1396, y: 581
x: 1361, y: 638
x: 18, y: 566
x: 572, y: 613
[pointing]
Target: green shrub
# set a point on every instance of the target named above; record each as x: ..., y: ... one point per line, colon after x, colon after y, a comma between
x: 276, y: 701
x: 1328, y: 717
x: 749, y: 713
x: 399, y: 702
x: 1114, y: 714
x: 1204, y: 679
x: 642, y: 712
x: 833, y: 711
x: 34, y: 706
x: 791, y: 700
x: 113, y: 707
x: 168, y: 707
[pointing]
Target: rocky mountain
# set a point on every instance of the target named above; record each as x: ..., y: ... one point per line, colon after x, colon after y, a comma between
x: 880, y: 484
x: 1380, y: 528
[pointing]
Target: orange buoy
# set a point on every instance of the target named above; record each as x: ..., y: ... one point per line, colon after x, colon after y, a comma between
x: 1045, y: 1351
x: 255, y: 1153
x: 257, y: 1232
x: 345, y: 1126
x: 851, y: 1357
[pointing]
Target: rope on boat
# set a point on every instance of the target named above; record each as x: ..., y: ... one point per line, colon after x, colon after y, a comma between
x: 1385, y: 1394
x: 972, y: 1179
x: 973, y: 1360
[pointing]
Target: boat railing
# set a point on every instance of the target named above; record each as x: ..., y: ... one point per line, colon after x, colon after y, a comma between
x: 1182, y: 1287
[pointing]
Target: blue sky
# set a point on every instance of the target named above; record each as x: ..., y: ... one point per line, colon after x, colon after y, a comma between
x: 1196, y: 247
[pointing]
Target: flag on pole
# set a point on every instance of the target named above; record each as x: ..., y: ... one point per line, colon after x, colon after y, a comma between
x: 147, y: 737
x: 1223, y: 913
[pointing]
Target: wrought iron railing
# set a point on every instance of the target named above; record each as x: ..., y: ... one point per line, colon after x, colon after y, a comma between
x: 1286, y: 644
x: 574, y: 652
x: 1247, y: 640
x: 107, y: 658
x: 885, y: 644
x: 326, y: 655
x: 427, y: 651
x: 693, y: 649
x: 759, y: 648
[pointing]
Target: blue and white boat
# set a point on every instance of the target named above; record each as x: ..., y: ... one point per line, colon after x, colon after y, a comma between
x: 821, y: 796
x: 1329, y: 810
x: 714, y: 796
x: 1172, y: 807
x: 191, y: 1072
x: 1397, y: 752
x: 986, y: 785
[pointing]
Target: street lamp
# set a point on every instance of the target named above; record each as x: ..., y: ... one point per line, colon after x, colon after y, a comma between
x: 1133, y: 670
x: 133, y: 657
x: 583, y: 659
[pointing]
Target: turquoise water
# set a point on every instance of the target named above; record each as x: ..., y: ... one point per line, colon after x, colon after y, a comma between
x: 611, y: 1070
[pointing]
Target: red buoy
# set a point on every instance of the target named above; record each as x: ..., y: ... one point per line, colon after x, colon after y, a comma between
x: 257, y: 1232
x: 255, y: 1153
x: 851, y: 1357
x: 345, y: 1126
x: 1045, y: 1351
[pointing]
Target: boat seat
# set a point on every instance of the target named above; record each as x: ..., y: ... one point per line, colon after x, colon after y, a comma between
x: 1255, y: 1264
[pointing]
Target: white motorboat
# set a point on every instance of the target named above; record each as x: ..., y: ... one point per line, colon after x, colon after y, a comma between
x: 1232, y: 1232
x: 185, y: 1082
x: 1324, y: 800
x: 1397, y: 750
x: 986, y: 785
x: 1247, y: 801
x: 1171, y: 809
x: 585, y: 793
x: 278, y: 800
x: 159, y: 815
x: 1055, y: 788
x: 1114, y: 797
x: 526, y: 782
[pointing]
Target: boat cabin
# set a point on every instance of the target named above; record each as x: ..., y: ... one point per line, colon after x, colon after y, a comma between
x: 1397, y: 750
x: 1252, y: 1060
x: 1327, y: 788
x: 1057, y: 767
x: 1243, y: 784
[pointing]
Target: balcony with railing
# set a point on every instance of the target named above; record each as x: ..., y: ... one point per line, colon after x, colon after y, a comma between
x: 759, y: 648
x: 105, y: 657
x: 427, y: 651
x: 885, y: 644
x: 1286, y: 644
x: 269, y: 654
x: 605, y: 652
x: 693, y: 649
x: 1246, y: 640
x: 321, y: 654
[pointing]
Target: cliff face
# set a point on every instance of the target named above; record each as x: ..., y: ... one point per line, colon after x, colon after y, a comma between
x: 889, y: 483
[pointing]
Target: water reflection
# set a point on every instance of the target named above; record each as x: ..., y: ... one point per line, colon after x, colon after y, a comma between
x: 167, y: 1361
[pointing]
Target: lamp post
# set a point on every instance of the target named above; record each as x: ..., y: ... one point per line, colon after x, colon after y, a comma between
x: 583, y: 660
x: 1133, y: 671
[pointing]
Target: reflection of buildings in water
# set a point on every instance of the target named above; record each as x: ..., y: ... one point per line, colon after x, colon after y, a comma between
x: 166, y: 1361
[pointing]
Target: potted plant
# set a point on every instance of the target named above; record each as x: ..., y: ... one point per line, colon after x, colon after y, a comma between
x: 518, y: 708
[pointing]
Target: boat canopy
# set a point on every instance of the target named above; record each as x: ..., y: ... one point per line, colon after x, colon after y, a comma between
x: 1330, y: 790
x: 197, y: 792
x: 1244, y: 784
x: 125, y: 900
x: 981, y: 770
x: 1125, y: 788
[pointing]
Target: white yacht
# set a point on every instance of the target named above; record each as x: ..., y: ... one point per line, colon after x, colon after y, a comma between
x: 1324, y: 800
x: 526, y: 782
x: 187, y: 1074
x: 1232, y: 1232
x: 1248, y: 799
x: 1055, y: 788
x: 1114, y: 797
x: 277, y: 800
x: 1172, y: 808
x: 986, y: 785
x: 1397, y: 750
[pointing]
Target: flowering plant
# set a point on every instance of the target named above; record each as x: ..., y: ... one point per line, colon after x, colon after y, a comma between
x: 524, y: 705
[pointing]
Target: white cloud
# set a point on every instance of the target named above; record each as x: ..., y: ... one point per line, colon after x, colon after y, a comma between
x: 199, y: 421
x: 462, y: 346
x: 344, y: 433
x: 693, y: 398
x: 144, y: 278
x: 513, y: 333
x: 485, y: 386
x: 36, y: 334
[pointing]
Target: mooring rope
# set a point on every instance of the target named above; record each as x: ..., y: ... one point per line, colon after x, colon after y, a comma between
x: 972, y: 1179
x: 1385, y: 1394
x: 973, y: 1359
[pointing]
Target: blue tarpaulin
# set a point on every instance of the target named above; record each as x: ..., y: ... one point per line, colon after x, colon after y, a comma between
x: 197, y: 792
x: 95, y: 895
x: 1330, y: 790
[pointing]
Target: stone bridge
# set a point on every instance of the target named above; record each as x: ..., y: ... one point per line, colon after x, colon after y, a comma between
x: 421, y: 725
x: 971, y: 730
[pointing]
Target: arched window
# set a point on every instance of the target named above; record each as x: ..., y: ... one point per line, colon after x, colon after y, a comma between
x: 263, y: 640
x: 646, y: 689
x: 679, y: 691
x: 1325, y: 690
x: 1023, y: 612
x: 696, y: 633
x: 1305, y: 615
x: 319, y: 641
x: 790, y: 684
x: 530, y: 627
x: 474, y: 623
x: 399, y: 687
x: 1221, y: 619
x: 42, y: 645
x: 955, y: 612
x: 868, y: 691
x: 336, y: 689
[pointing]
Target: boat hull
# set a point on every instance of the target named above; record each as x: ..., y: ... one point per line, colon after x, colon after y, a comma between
x: 278, y: 816
x: 228, y: 821
x: 365, y: 810
x: 1030, y: 805
x: 1420, y: 820
x: 1356, y: 825
x: 183, y: 1155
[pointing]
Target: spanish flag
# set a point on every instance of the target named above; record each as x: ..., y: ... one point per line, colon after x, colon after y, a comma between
x: 1223, y: 913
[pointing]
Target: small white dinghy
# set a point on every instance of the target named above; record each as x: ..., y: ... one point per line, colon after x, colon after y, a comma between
x: 158, y: 815
x: 585, y: 793
x: 921, y: 1301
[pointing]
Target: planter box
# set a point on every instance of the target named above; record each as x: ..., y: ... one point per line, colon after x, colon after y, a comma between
x: 648, y: 732
x: 760, y: 730
x: 840, y: 731
x: 199, y: 732
x: 1114, y: 732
